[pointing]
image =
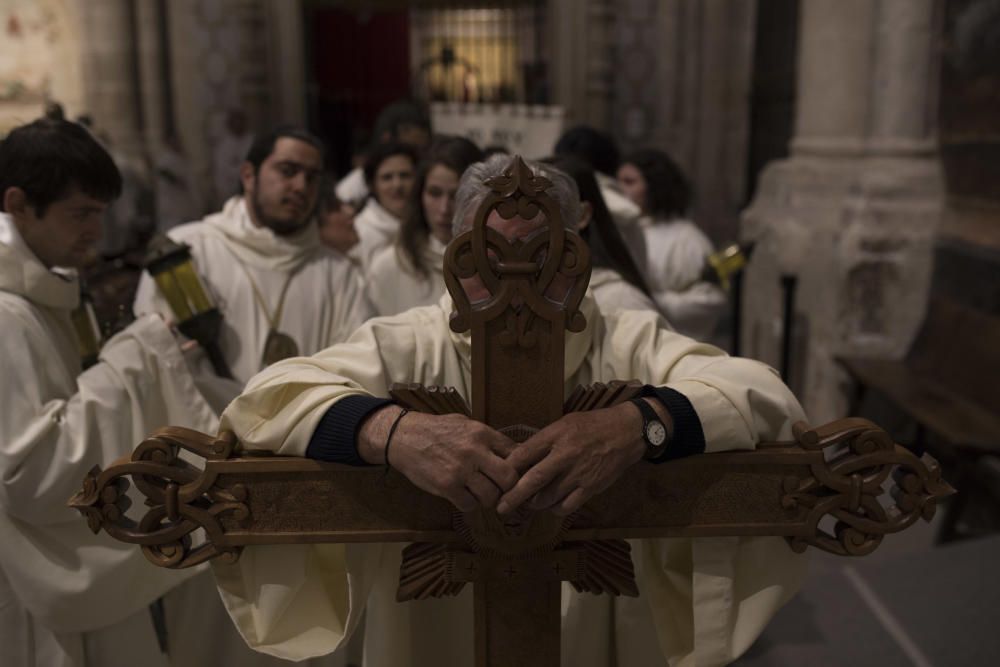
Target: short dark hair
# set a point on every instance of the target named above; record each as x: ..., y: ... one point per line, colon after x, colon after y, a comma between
x: 47, y: 158
x: 263, y: 144
x: 668, y: 192
x: 379, y: 153
x: 591, y: 145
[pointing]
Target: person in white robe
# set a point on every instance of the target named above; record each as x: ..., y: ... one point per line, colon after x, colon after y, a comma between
x: 703, y: 601
x: 335, y: 219
x: 68, y: 597
x: 409, y: 272
x: 389, y: 172
x: 676, y: 249
x: 402, y: 122
x: 262, y: 260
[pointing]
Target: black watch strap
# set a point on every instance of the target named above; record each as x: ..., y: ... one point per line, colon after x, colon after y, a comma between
x: 654, y: 431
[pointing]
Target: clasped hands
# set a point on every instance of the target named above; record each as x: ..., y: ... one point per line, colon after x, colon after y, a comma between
x: 474, y: 466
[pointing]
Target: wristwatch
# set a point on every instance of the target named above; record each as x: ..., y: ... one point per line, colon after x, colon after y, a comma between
x: 654, y: 431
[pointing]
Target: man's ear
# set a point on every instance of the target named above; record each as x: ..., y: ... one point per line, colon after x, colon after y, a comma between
x: 15, y: 202
x: 247, y: 176
x: 586, y: 215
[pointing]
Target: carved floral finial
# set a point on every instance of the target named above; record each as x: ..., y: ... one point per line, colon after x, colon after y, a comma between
x: 518, y: 273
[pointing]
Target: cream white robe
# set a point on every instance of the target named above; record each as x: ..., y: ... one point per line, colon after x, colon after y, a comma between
x: 703, y: 601
x: 676, y: 253
x: 627, y: 217
x: 352, y: 188
x: 394, y: 285
x: 67, y: 596
x: 377, y: 229
x: 324, y: 305
x: 613, y: 293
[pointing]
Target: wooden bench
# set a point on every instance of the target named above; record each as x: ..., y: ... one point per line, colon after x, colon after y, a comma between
x: 949, y: 381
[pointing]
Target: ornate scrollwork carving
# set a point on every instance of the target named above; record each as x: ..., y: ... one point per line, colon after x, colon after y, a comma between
x: 518, y: 274
x: 858, y: 458
x: 181, y: 499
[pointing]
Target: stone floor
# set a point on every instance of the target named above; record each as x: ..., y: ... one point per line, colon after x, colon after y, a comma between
x: 909, y: 603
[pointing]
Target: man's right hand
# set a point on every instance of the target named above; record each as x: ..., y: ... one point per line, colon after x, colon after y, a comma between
x: 451, y: 456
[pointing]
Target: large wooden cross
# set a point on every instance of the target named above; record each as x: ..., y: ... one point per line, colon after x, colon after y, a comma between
x: 516, y: 565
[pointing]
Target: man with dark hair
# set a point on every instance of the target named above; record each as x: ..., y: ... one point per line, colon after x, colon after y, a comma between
x: 67, y: 596
x: 281, y: 291
x: 402, y: 122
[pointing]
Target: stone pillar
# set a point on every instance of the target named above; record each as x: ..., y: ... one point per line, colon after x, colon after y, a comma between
x: 153, y: 70
x: 286, y: 51
x: 110, y: 75
x: 581, y: 34
x: 219, y: 54
x: 833, y: 77
x: 851, y: 214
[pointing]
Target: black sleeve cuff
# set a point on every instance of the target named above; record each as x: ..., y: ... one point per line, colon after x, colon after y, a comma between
x: 335, y: 438
x: 688, y: 437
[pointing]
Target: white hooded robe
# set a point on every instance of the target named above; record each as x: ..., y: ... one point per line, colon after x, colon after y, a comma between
x: 324, y: 303
x: 69, y: 597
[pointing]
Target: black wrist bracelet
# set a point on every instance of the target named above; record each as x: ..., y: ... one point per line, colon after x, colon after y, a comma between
x: 392, y: 430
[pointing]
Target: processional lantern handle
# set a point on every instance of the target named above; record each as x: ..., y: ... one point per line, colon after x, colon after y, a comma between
x: 172, y: 268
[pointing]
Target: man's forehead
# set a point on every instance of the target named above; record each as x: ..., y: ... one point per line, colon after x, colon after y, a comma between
x: 76, y: 198
x: 290, y: 149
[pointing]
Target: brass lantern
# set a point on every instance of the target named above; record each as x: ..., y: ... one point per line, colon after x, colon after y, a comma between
x: 88, y: 332
x: 170, y: 265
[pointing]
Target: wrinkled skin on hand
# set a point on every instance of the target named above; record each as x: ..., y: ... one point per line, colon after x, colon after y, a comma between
x: 450, y: 456
x: 569, y: 461
x: 474, y: 466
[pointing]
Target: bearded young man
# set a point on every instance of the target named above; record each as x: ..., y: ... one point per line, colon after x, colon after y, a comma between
x: 69, y: 598
x: 281, y: 291
x: 703, y: 601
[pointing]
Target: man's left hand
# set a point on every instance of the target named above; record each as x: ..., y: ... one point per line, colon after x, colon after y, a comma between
x: 569, y: 461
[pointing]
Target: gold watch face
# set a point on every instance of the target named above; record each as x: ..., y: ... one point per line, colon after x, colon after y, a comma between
x: 656, y: 433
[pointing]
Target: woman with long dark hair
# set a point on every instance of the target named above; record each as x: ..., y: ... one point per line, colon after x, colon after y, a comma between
x: 409, y: 272
x: 389, y: 175
x: 615, y: 280
x: 676, y: 249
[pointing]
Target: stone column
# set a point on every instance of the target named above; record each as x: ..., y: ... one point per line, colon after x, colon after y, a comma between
x: 851, y: 214
x: 219, y: 61
x: 581, y: 33
x: 834, y: 77
x: 153, y: 70
x: 110, y: 75
x: 286, y: 61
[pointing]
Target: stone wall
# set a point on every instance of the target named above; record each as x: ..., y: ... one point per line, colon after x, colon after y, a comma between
x: 39, y: 59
